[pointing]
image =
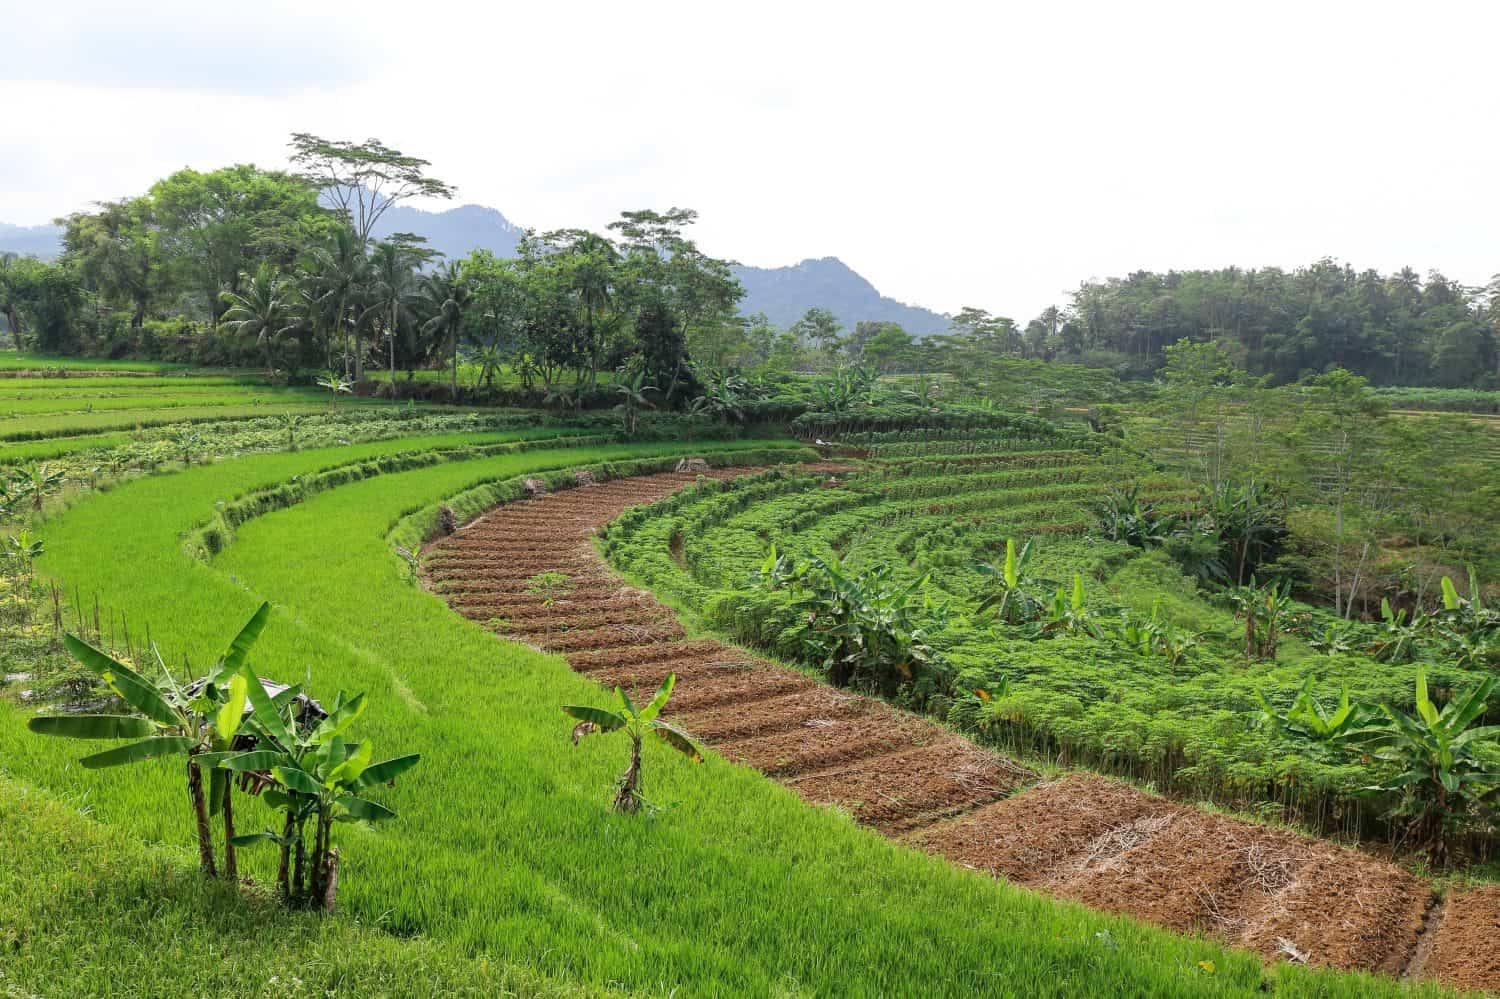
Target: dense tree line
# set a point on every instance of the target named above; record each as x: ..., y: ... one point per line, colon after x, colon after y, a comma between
x: 1395, y: 329
x: 244, y: 265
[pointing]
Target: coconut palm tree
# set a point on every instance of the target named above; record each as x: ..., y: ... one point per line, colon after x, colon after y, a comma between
x: 267, y: 306
x: 444, y: 299
x: 393, y: 287
x: 338, y: 275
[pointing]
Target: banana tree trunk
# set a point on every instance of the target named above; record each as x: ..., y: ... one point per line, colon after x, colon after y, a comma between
x: 200, y: 811
x: 627, y: 798
x: 283, y: 886
x: 331, y: 882
x: 231, y: 867
x: 299, y: 869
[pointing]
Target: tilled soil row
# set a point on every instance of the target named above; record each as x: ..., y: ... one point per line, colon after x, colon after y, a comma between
x: 1112, y: 847
x: 1098, y: 841
x: 887, y: 768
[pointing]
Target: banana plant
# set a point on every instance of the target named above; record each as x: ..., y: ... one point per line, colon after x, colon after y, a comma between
x: 1125, y: 516
x: 636, y: 723
x: 1337, y: 638
x: 1439, y: 771
x: 1309, y: 719
x: 170, y: 720
x: 1069, y: 612
x: 1265, y: 609
x: 1468, y: 631
x: 924, y: 394
x: 335, y: 385
x: 1398, y: 640
x: 35, y: 482
x: 291, y: 422
x: 20, y: 552
x: 309, y: 772
x: 1010, y: 596
x: 1156, y: 636
x: 632, y: 390
x: 187, y: 441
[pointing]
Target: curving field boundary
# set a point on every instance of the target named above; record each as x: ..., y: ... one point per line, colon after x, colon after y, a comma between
x: 1101, y: 842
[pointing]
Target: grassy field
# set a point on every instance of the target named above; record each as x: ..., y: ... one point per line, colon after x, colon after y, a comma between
x: 505, y: 851
x: 11, y: 360
x: 148, y: 910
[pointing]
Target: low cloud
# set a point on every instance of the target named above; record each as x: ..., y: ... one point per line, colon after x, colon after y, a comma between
x: 208, y: 48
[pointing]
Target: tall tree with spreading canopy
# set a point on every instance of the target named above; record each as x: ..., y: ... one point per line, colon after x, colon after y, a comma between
x: 217, y: 226
x: 364, y: 179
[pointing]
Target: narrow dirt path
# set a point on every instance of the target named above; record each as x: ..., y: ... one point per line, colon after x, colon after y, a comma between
x: 1098, y: 841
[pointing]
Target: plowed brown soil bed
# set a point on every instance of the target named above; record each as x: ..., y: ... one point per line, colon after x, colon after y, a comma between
x: 702, y: 685
x: 602, y: 659
x: 913, y: 787
x: 757, y: 713
x: 1115, y: 848
x: 820, y: 743
x: 1467, y: 952
x: 1098, y: 841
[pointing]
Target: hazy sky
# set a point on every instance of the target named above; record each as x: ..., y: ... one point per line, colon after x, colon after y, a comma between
x: 988, y: 154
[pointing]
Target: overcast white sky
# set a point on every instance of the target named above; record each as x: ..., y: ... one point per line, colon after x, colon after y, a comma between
x: 988, y: 154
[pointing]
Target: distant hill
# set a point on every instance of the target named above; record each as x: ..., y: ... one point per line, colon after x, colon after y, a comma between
x: 785, y: 293
x: 455, y: 232
x: 31, y: 240
x: 782, y: 293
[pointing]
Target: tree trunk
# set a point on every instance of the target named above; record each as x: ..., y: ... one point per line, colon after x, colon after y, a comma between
x: 320, y: 859
x: 627, y: 798
x: 331, y: 882
x: 299, y: 871
x: 231, y: 867
x: 392, y: 332
x: 200, y: 811
x: 283, y: 886
x: 13, y: 319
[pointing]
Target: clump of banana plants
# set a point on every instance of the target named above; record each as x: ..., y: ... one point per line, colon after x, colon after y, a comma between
x: 1011, y: 588
x: 171, y: 719
x: 312, y: 774
x: 1438, y: 767
x: 637, y: 724
x: 271, y: 740
x: 1265, y: 608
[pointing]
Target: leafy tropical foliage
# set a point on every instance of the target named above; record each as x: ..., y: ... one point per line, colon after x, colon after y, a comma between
x: 636, y: 723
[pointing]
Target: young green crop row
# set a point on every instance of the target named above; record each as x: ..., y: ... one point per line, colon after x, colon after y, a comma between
x: 86, y: 387
x: 28, y: 404
x: 24, y: 363
x: 504, y: 852
x: 51, y: 426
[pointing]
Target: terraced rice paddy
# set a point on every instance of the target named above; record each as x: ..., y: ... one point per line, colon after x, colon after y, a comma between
x: 505, y: 872
x: 1082, y: 837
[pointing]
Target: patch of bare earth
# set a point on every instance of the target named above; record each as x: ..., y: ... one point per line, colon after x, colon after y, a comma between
x: 1466, y: 951
x: 1083, y: 837
x: 1112, y: 847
